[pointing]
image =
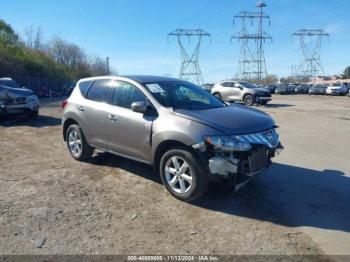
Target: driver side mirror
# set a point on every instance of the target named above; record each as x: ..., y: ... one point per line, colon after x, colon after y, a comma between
x: 139, y: 106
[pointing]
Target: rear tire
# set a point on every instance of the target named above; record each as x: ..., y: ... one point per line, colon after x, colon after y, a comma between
x: 248, y: 100
x: 184, y: 183
x: 78, y: 148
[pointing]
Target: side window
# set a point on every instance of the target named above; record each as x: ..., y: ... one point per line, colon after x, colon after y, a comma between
x: 227, y: 84
x: 101, y: 91
x: 84, y: 87
x: 125, y: 94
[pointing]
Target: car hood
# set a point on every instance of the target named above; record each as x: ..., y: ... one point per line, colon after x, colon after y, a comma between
x: 9, y: 92
x: 260, y: 90
x: 231, y: 120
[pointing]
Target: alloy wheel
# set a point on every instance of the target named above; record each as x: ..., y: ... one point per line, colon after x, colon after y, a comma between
x: 75, y: 143
x: 178, y: 174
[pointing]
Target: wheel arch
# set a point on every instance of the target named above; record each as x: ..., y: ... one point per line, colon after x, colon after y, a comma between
x: 248, y: 94
x: 165, y: 146
x: 68, y: 122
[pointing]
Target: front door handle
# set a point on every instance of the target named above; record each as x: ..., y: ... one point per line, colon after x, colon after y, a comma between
x: 81, y: 109
x: 112, y: 118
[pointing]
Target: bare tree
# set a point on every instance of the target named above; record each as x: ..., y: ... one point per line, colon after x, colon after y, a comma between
x: 67, y: 53
x: 99, y: 66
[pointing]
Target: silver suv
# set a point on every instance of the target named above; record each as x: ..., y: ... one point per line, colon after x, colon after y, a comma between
x: 17, y: 100
x: 188, y: 135
x: 241, y: 92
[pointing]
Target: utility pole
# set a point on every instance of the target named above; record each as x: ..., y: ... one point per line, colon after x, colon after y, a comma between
x: 252, y: 64
x: 310, y: 41
x: 107, y: 66
x: 190, y: 69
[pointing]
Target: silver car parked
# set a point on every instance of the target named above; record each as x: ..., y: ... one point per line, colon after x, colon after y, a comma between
x: 188, y: 135
x: 17, y: 100
x: 241, y: 92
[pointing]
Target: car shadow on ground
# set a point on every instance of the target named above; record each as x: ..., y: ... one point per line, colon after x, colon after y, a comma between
x: 286, y: 195
x: 277, y: 105
x: 137, y: 168
x: 23, y: 120
x: 289, y: 196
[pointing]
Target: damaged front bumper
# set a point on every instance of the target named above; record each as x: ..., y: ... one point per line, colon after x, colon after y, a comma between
x: 252, y: 158
x: 249, y: 163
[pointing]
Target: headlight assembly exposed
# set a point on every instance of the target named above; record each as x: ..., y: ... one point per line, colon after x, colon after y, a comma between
x: 226, y: 144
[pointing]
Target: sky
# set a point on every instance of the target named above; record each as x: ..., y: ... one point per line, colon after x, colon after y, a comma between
x: 133, y: 33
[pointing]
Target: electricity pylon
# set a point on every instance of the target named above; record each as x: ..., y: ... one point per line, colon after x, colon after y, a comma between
x: 310, y: 41
x: 246, y: 70
x: 190, y: 69
x: 252, y: 64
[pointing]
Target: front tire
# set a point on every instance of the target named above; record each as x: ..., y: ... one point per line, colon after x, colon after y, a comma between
x: 33, y: 114
x: 183, y: 175
x: 78, y: 148
x: 248, y: 100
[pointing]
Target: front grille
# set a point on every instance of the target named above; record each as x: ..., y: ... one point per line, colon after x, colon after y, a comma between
x: 16, y: 101
x: 263, y: 95
x: 269, y: 138
x: 9, y: 101
x: 21, y: 100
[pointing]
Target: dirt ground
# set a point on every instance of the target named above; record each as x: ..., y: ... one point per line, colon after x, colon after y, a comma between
x: 115, y: 206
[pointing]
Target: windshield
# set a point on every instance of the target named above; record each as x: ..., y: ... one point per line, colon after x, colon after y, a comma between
x: 247, y: 85
x: 9, y: 83
x: 336, y: 84
x: 183, y: 95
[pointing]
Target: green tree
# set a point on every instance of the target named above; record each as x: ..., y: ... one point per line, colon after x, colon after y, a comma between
x: 7, y: 34
x: 346, y: 73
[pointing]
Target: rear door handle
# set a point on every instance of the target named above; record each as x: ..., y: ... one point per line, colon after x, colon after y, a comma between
x: 81, y: 109
x: 113, y: 118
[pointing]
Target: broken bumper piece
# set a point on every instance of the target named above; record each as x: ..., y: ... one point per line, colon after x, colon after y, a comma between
x: 223, y: 166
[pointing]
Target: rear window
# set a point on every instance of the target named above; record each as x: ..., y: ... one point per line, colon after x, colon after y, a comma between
x: 84, y: 87
x: 101, y: 91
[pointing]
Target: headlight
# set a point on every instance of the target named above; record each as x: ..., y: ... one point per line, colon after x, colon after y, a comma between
x: 33, y: 98
x: 226, y: 144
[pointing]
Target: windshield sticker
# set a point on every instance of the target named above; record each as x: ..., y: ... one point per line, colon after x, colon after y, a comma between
x: 155, y: 88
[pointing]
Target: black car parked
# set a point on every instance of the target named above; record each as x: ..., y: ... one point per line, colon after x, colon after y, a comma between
x: 302, y: 89
x: 282, y: 89
x: 318, y: 90
x: 271, y: 88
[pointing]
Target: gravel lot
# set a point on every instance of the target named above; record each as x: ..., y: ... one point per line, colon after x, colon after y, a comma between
x: 115, y: 206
